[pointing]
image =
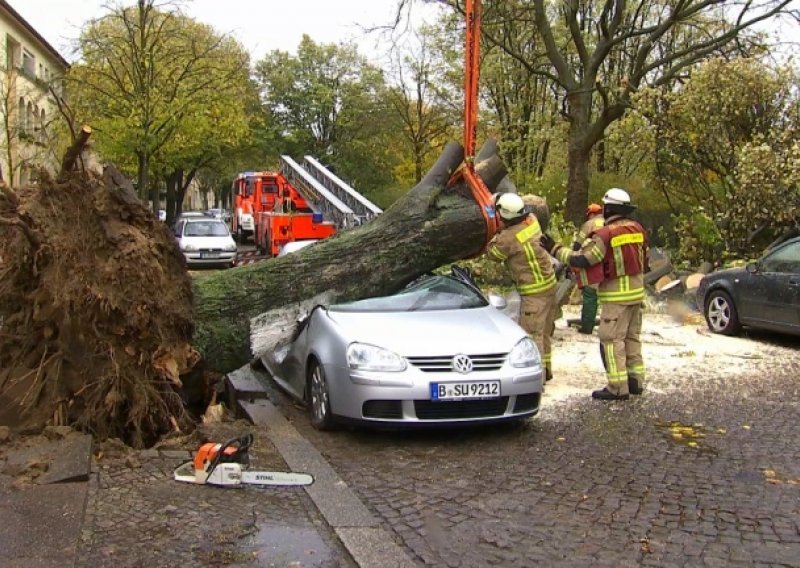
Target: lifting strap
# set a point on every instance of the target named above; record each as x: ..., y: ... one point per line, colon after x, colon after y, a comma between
x: 480, y: 193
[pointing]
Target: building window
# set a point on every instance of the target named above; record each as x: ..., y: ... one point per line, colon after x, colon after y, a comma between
x: 12, y: 53
x: 41, y: 125
x: 28, y: 63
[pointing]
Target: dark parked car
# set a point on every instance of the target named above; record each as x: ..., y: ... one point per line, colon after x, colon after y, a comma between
x: 764, y: 294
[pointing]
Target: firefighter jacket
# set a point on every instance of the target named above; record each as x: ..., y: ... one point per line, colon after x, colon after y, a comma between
x: 519, y: 247
x: 615, y: 257
x: 589, y: 226
x: 587, y: 230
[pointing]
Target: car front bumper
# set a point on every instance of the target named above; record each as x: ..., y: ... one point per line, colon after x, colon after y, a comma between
x: 204, y: 259
x: 398, y: 399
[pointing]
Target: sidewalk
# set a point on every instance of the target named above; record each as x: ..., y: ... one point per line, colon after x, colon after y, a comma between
x: 127, y: 511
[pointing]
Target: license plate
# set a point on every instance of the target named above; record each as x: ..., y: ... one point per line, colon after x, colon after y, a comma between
x: 465, y: 390
x: 209, y: 255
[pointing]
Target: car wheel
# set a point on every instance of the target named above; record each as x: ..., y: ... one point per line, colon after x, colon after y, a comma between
x: 721, y: 314
x: 319, y: 399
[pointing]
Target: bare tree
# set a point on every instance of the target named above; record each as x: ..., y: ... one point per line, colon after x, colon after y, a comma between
x: 420, y: 102
x: 649, y: 42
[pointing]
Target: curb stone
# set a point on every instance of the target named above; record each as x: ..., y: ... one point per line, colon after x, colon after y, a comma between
x: 359, y: 531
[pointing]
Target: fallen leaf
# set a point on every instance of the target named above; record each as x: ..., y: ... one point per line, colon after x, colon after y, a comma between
x: 746, y: 426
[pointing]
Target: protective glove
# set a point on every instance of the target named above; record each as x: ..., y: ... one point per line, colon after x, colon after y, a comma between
x: 547, y: 243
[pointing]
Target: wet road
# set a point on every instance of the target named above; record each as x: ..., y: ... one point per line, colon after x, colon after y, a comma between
x: 704, y: 469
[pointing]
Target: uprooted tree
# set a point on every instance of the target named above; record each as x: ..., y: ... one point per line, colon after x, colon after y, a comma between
x: 101, y: 326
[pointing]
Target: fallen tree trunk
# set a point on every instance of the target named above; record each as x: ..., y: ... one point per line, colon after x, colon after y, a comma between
x: 98, y: 316
x: 428, y: 227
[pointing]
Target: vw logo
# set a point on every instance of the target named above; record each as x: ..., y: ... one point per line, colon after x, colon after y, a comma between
x: 462, y: 364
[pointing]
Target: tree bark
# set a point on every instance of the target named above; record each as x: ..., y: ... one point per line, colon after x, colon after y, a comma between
x: 427, y: 228
x: 73, y: 153
x: 578, y: 179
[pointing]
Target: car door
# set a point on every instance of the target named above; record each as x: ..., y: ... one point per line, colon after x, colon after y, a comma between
x: 779, y: 273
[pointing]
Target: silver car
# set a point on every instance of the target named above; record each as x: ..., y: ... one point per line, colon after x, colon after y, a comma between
x: 436, y: 352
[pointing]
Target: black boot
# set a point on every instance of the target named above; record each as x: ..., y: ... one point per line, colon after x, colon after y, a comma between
x: 635, y: 386
x: 548, y: 375
x: 605, y: 394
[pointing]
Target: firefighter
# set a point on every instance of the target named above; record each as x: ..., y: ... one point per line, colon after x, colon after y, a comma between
x: 518, y: 246
x: 615, y: 258
x: 594, y: 221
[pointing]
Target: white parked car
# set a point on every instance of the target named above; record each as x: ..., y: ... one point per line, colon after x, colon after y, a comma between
x: 205, y: 242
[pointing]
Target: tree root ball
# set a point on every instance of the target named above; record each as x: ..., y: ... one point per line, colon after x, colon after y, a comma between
x: 95, y: 311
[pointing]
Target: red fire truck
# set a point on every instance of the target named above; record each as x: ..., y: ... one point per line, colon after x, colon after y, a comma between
x: 273, y: 212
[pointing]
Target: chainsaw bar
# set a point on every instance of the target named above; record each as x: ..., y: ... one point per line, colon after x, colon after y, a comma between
x: 231, y: 474
x: 276, y: 478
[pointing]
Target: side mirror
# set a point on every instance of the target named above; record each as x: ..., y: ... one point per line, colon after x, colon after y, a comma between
x: 497, y: 301
x: 752, y: 267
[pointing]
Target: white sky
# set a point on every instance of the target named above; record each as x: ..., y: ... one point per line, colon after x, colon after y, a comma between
x: 264, y: 25
x: 260, y: 25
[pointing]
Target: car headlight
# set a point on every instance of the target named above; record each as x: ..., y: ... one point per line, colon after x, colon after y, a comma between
x: 230, y: 247
x: 524, y: 354
x: 366, y: 357
x: 189, y: 248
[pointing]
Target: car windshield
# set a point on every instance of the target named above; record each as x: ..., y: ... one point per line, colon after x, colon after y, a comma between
x: 432, y: 294
x: 208, y: 228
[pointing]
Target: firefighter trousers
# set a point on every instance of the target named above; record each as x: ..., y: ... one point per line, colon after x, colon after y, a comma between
x: 537, y: 313
x: 620, y: 345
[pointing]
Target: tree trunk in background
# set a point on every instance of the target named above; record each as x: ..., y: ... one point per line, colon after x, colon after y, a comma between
x: 601, y: 155
x: 578, y: 181
x: 172, y: 209
x: 579, y: 152
x: 427, y: 228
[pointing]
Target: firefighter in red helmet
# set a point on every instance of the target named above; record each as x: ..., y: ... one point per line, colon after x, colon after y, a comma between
x: 594, y: 221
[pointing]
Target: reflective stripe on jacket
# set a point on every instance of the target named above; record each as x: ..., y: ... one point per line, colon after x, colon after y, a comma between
x: 616, y: 258
x: 519, y: 248
x: 586, y: 231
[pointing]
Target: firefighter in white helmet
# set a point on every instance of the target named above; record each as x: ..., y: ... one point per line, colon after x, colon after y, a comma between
x: 615, y: 257
x: 518, y: 246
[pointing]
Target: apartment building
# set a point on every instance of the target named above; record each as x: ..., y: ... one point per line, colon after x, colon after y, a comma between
x: 30, y: 67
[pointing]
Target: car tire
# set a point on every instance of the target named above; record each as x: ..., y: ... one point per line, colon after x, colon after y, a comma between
x: 319, y: 400
x: 720, y: 313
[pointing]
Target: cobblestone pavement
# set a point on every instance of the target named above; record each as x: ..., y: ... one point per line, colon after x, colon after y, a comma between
x: 702, y: 470
x: 137, y: 515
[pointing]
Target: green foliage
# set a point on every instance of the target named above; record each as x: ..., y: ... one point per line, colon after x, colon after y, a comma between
x: 725, y: 155
x: 701, y: 238
x: 329, y: 102
x: 157, y: 85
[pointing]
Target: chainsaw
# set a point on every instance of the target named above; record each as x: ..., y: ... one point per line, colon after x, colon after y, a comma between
x: 226, y: 465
